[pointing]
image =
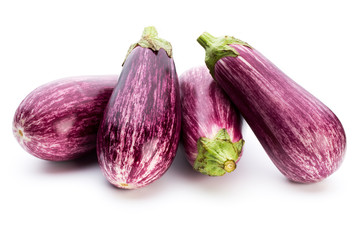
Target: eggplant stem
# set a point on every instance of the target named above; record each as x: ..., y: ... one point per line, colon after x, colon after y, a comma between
x: 206, y: 40
x: 217, y: 48
x: 217, y: 156
x: 149, y: 39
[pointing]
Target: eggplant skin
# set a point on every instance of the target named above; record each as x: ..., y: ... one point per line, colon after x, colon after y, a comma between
x: 58, y: 121
x: 206, y: 110
x: 302, y: 136
x: 139, y: 134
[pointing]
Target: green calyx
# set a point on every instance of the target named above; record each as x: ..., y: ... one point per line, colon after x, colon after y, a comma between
x: 217, y: 48
x: 217, y: 156
x: 150, y: 39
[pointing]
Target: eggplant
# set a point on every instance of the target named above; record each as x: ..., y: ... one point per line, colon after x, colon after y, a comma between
x: 140, y: 131
x: 301, y: 135
x: 59, y: 120
x: 211, y: 125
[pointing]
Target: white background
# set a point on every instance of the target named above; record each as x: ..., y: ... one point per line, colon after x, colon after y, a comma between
x: 315, y: 42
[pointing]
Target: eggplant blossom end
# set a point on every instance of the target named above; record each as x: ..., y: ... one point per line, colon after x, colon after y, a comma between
x: 217, y: 156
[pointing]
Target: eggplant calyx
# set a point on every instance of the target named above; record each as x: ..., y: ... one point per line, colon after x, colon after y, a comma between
x: 150, y: 39
x: 217, y: 48
x: 217, y: 156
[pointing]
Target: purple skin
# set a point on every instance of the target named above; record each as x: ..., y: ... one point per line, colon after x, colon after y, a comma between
x: 58, y: 121
x: 303, y: 137
x: 139, y: 134
x: 205, y: 111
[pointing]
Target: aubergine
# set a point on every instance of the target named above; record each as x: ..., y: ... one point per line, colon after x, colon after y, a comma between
x: 211, y: 125
x: 59, y: 120
x: 301, y: 135
x: 139, y: 134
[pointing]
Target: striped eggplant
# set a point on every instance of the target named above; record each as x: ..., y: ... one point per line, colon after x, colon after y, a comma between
x: 211, y: 125
x: 58, y: 121
x: 140, y: 131
x: 302, y: 136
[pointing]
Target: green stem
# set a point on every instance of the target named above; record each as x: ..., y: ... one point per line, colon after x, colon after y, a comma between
x: 150, y: 32
x: 217, y: 48
x: 206, y: 40
x: 218, y: 155
x: 150, y: 39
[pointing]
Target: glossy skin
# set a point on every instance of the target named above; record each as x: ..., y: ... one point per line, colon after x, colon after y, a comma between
x: 139, y: 135
x: 302, y: 136
x: 205, y: 110
x: 59, y: 121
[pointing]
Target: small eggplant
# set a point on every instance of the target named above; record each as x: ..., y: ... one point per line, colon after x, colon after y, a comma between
x: 211, y: 125
x: 58, y: 121
x: 302, y: 136
x: 140, y: 131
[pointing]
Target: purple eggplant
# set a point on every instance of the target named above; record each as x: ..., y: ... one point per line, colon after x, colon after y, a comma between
x: 211, y: 125
x: 58, y: 121
x: 139, y: 134
x: 302, y: 136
